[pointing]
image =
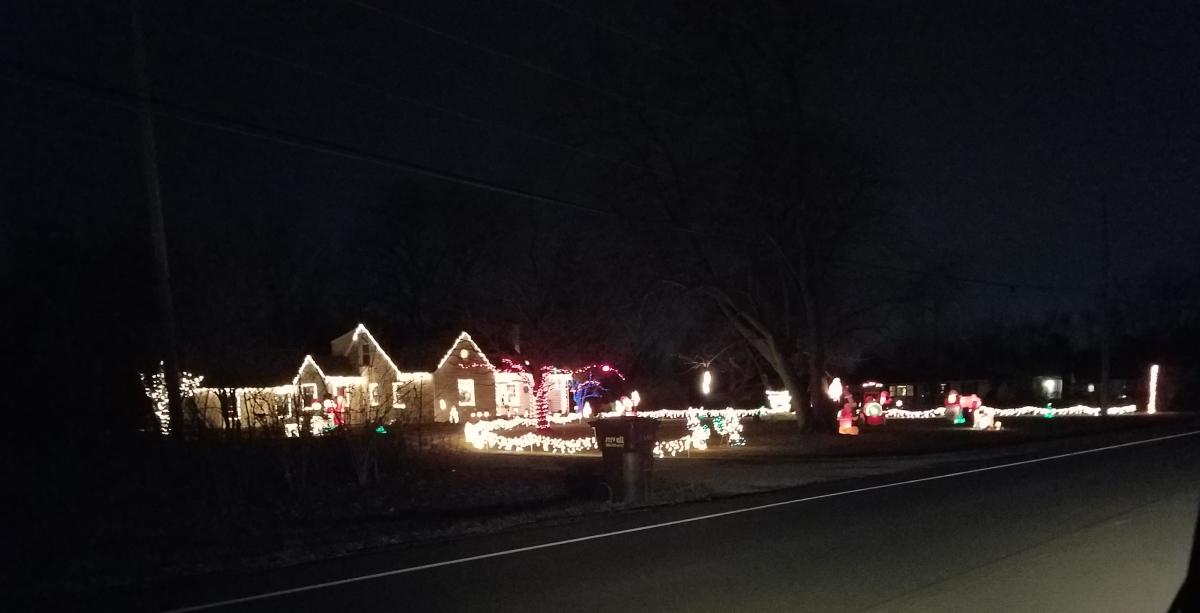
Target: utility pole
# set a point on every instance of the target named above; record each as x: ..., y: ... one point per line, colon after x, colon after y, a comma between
x: 1105, y: 306
x: 158, y: 231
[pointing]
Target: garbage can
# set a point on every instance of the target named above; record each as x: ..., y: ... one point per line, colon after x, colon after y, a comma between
x: 627, y: 450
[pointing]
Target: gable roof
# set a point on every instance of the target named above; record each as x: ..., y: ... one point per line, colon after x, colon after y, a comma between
x: 338, y: 366
x: 463, y: 336
x: 341, y: 345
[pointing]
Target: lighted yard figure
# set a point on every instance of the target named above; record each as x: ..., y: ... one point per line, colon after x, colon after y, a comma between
x: 872, y: 412
x: 1049, y: 413
x: 985, y: 419
x: 846, y: 418
x: 706, y: 382
x: 835, y: 389
x: 953, y: 409
x: 339, y: 410
x: 454, y: 414
x: 583, y: 391
x: 968, y: 403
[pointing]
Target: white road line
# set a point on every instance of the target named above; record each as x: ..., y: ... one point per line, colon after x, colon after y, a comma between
x: 506, y: 552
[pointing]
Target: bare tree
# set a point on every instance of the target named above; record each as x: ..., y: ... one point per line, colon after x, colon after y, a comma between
x: 766, y: 228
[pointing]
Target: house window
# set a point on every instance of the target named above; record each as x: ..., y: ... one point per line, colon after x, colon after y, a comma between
x: 373, y: 391
x: 509, y: 396
x: 309, y: 392
x: 366, y: 354
x: 464, y: 354
x: 1051, y: 388
x: 466, y: 392
x: 902, y: 390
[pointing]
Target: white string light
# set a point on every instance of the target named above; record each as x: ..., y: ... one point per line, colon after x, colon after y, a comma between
x: 463, y: 336
x: 779, y: 400
x: 156, y: 390
x: 1078, y: 410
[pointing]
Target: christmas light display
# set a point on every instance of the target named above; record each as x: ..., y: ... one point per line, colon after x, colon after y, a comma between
x: 541, y: 388
x: 834, y: 391
x: 1152, y: 402
x: 463, y: 336
x: 726, y: 422
x: 362, y: 330
x: 779, y: 400
x: 984, y: 418
x: 308, y: 360
x: 483, y: 435
x: 706, y: 382
x: 1026, y: 411
x: 156, y: 390
x: 898, y: 413
x: 686, y: 413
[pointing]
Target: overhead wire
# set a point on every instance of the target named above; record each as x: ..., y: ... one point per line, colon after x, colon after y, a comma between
x: 230, y: 125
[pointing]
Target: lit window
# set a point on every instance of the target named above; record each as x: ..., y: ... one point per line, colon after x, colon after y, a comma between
x: 466, y: 392
x: 373, y: 391
x: 464, y: 354
x: 1052, y: 388
x: 508, y: 395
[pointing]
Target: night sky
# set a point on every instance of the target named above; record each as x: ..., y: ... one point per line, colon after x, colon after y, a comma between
x: 1004, y: 126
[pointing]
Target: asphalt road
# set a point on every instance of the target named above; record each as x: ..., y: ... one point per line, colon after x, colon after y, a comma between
x: 1102, y: 531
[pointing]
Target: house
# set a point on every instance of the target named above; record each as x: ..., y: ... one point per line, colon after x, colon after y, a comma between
x: 464, y: 381
x: 362, y: 381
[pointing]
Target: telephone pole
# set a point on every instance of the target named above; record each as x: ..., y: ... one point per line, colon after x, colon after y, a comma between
x: 158, y: 231
x: 1105, y: 306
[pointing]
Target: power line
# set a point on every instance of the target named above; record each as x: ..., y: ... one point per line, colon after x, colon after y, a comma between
x: 662, y: 53
x: 127, y: 101
x: 539, y: 68
x: 393, y: 93
x: 115, y: 97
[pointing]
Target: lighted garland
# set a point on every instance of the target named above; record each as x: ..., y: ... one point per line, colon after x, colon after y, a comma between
x: 725, y: 422
x: 1026, y: 411
x: 685, y: 413
x: 483, y: 435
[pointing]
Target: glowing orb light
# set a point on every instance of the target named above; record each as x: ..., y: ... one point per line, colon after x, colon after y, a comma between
x: 835, y: 389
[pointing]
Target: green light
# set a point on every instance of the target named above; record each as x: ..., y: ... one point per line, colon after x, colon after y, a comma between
x: 381, y: 430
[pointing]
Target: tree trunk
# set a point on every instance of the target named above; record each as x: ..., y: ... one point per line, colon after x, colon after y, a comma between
x: 797, y: 393
x: 816, y: 381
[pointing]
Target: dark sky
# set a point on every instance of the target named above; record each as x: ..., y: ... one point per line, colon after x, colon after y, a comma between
x: 1010, y: 122
x: 1005, y: 124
